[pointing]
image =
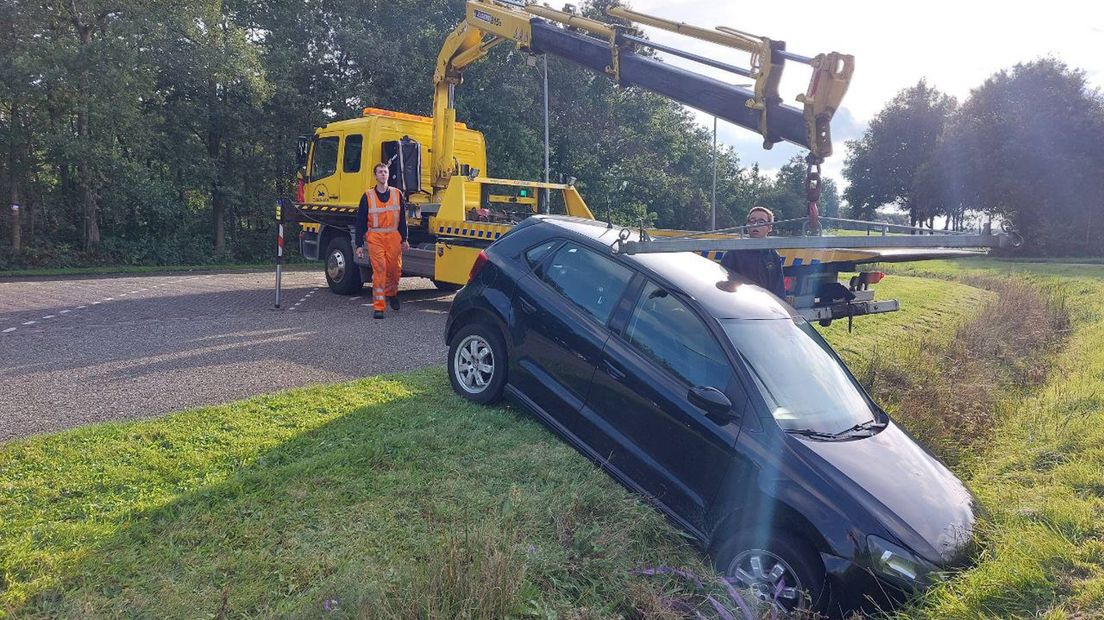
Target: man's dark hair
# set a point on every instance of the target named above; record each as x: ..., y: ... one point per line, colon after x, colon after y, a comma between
x: 378, y: 166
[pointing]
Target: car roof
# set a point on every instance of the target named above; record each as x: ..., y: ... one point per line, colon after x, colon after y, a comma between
x: 720, y: 293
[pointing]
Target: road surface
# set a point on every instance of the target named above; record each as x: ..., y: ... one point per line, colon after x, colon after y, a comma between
x: 78, y: 351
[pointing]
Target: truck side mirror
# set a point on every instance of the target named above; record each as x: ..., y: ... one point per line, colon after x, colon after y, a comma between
x: 302, y: 150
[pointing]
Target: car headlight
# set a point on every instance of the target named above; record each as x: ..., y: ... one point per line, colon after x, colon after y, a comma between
x: 898, y: 563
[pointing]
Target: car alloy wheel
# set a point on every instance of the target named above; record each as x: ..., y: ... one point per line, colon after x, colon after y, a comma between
x: 473, y: 364
x: 769, y: 577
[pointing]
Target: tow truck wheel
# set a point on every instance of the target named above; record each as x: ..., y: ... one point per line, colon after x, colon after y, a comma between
x: 342, y: 273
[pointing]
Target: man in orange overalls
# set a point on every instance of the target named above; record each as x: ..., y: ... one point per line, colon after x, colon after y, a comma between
x: 381, y: 223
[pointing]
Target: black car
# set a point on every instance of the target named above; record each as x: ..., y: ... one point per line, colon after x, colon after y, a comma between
x: 712, y: 398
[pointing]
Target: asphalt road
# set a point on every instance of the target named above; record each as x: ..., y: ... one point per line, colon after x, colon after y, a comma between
x: 78, y: 351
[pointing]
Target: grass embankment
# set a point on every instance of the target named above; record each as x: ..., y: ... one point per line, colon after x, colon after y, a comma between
x: 1041, y: 470
x: 390, y: 496
x: 387, y: 497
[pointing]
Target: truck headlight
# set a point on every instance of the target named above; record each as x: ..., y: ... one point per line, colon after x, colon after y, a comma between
x: 898, y: 563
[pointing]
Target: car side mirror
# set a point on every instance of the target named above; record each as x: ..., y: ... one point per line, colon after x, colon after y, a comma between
x: 716, y: 405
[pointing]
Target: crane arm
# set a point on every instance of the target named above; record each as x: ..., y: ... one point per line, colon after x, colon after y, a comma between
x: 611, y: 49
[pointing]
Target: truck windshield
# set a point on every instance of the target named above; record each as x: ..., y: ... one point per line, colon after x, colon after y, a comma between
x: 804, y: 383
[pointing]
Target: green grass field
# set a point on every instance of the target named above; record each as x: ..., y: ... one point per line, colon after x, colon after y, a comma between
x: 391, y: 497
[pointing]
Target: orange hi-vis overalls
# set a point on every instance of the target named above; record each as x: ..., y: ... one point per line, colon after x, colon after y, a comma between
x: 384, y: 246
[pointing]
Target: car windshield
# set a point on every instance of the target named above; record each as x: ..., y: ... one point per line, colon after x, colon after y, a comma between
x: 804, y: 383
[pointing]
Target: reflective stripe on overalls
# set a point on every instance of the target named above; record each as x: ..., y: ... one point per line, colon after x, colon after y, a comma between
x: 384, y: 245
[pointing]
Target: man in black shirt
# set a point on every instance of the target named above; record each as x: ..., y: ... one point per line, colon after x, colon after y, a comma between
x: 763, y: 267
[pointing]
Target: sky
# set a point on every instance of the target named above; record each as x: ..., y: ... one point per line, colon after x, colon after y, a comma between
x: 954, y: 45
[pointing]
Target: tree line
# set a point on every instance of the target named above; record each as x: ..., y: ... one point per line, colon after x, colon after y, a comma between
x: 1024, y: 149
x: 162, y: 132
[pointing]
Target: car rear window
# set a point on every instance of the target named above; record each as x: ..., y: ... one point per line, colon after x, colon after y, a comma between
x: 590, y: 281
x: 535, y: 254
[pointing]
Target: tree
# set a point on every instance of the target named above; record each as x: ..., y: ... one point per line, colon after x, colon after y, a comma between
x: 1026, y: 147
x: 887, y: 165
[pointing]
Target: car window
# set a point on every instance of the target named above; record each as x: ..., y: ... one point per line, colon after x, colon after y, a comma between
x: 353, y: 147
x: 534, y: 254
x: 664, y: 329
x: 590, y: 281
x: 324, y: 160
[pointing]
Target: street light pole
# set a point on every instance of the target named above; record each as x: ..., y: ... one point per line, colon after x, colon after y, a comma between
x: 547, y: 192
x: 714, y: 201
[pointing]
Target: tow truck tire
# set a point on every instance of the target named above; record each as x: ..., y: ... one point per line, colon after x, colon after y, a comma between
x: 342, y: 273
x: 477, y: 363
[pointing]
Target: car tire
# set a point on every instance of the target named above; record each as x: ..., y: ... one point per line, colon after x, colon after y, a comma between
x: 758, y: 563
x: 342, y: 274
x: 477, y: 363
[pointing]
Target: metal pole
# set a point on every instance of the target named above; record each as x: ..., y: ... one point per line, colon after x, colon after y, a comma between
x: 714, y: 202
x: 547, y: 191
x: 279, y: 247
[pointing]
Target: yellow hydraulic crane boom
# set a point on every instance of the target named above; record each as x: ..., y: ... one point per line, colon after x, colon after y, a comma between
x: 610, y: 49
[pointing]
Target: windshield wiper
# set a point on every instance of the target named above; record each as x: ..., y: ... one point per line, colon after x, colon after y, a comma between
x: 864, y: 426
x: 808, y: 432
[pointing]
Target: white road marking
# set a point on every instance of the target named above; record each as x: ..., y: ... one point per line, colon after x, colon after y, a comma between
x: 355, y: 298
x: 109, y: 298
x: 10, y: 329
x: 48, y: 316
x: 64, y: 312
x: 30, y: 322
x: 95, y: 303
x: 81, y: 307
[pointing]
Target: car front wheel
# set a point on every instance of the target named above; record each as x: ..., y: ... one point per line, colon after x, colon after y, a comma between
x: 477, y: 363
x: 781, y: 571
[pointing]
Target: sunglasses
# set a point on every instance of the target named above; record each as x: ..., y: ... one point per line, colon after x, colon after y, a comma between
x: 757, y: 222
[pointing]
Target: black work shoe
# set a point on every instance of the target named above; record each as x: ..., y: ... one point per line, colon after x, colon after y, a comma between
x: 394, y: 300
x: 378, y: 314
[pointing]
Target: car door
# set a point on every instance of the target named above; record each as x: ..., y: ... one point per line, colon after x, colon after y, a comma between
x: 639, y: 396
x: 560, y: 312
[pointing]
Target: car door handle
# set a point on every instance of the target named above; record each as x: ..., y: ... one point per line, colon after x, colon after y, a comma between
x: 612, y: 370
x: 526, y: 305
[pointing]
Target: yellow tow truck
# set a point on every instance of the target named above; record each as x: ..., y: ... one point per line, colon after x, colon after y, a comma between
x: 454, y: 210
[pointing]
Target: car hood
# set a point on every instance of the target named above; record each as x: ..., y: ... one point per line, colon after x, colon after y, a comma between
x: 899, y: 483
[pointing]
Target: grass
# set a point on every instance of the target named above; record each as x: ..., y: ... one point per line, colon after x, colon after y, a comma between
x: 1041, y: 475
x: 386, y: 497
x: 390, y: 497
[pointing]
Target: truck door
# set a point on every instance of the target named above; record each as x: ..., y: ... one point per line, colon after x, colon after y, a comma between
x: 356, y: 171
x: 323, y: 174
